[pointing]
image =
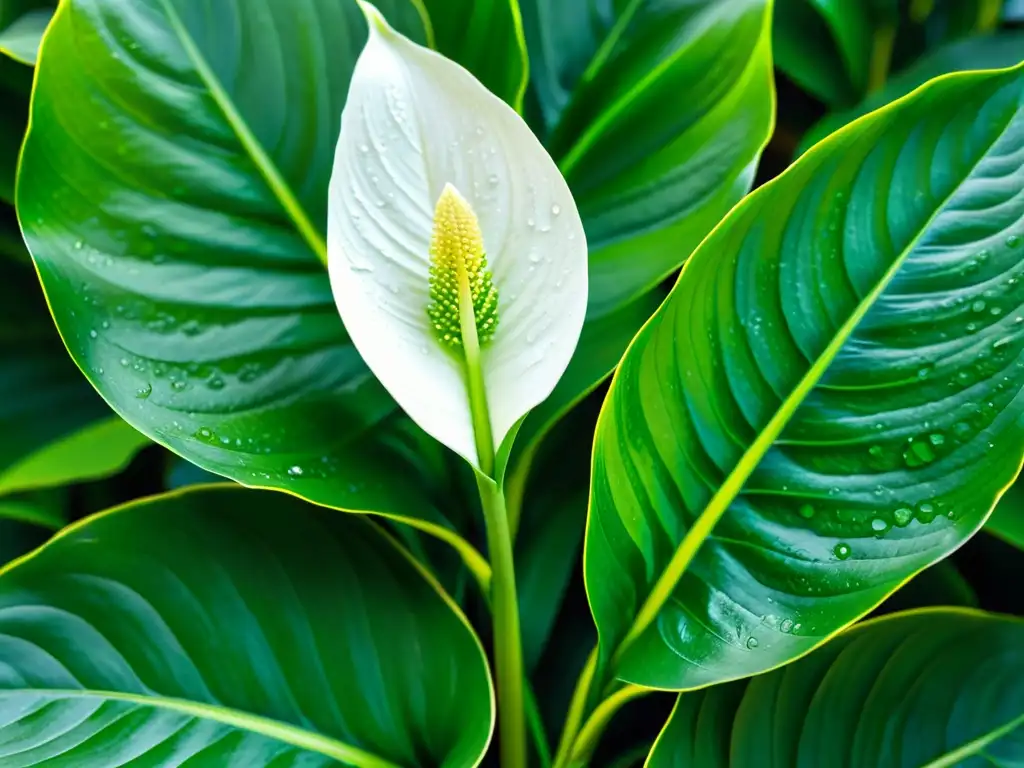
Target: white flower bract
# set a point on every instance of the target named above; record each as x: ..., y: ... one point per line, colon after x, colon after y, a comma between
x: 415, y: 122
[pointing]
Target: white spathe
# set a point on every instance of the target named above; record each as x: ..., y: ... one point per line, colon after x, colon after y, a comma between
x: 415, y: 121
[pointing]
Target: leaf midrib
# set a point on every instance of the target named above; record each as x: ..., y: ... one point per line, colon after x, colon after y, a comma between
x: 733, y: 483
x: 263, y: 726
x: 268, y: 170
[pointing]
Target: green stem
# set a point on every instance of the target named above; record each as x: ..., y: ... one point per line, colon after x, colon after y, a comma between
x: 475, y: 378
x: 577, y: 710
x: 536, y: 726
x: 592, y: 730
x: 508, y: 651
x: 881, y: 56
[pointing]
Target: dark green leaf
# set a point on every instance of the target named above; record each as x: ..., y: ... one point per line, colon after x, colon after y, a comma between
x: 599, y: 350
x: 228, y: 627
x: 16, y: 536
x: 1007, y: 520
x: 987, y: 52
x: 924, y: 689
x: 939, y: 585
x: 554, y: 515
x: 806, y: 50
x: 486, y: 37
x: 173, y: 194
x: 831, y: 399
x: 53, y: 428
x: 651, y: 180
x: 656, y: 114
x: 20, y: 39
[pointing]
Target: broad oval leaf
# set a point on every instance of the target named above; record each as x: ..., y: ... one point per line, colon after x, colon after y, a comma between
x: 486, y: 37
x: 925, y: 689
x: 420, y: 133
x: 656, y: 114
x: 234, y: 628
x: 53, y: 427
x: 173, y: 193
x: 829, y: 401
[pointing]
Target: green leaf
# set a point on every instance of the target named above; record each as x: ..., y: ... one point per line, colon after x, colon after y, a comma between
x: 45, y: 509
x: 1007, y: 520
x: 987, y: 52
x: 925, y: 689
x: 938, y: 585
x: 53, y: 428
x: 831, y: 399
x: 173, y: 195
x: 599, y: 350
x: 806, y: 52
x: 100, y: 449
x: 17, y: 536
x: 851, y: 25
x: 650, y: 182
x: 554, y: 516
x: 15, y: 84
x: 20, y: 40
x: 234, y: 628
x: 486, y: 37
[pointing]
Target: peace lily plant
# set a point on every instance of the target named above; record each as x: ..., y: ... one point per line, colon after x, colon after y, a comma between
x: 459, y: 265
x: 511, y: 382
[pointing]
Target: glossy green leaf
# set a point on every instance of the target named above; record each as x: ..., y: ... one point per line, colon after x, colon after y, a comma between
x: 1007, y: 520
x: 805, y: 51
x: 599, y: 350
x: 983, y: 52
x: 925, y: 689
x: 650, y: 181
x: 20, y: 39
x: 228, y: 627
x: 852, y: 26
x: 486, y: 37
x: 831, y: 399
x: 53, y: 428
x: 173, y: 195
x: 100, y: 449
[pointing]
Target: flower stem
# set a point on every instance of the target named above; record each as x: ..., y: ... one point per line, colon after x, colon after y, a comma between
x: 508, y: 651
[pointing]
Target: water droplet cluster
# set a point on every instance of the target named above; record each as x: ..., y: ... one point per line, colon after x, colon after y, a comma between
x: 457, y: 252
